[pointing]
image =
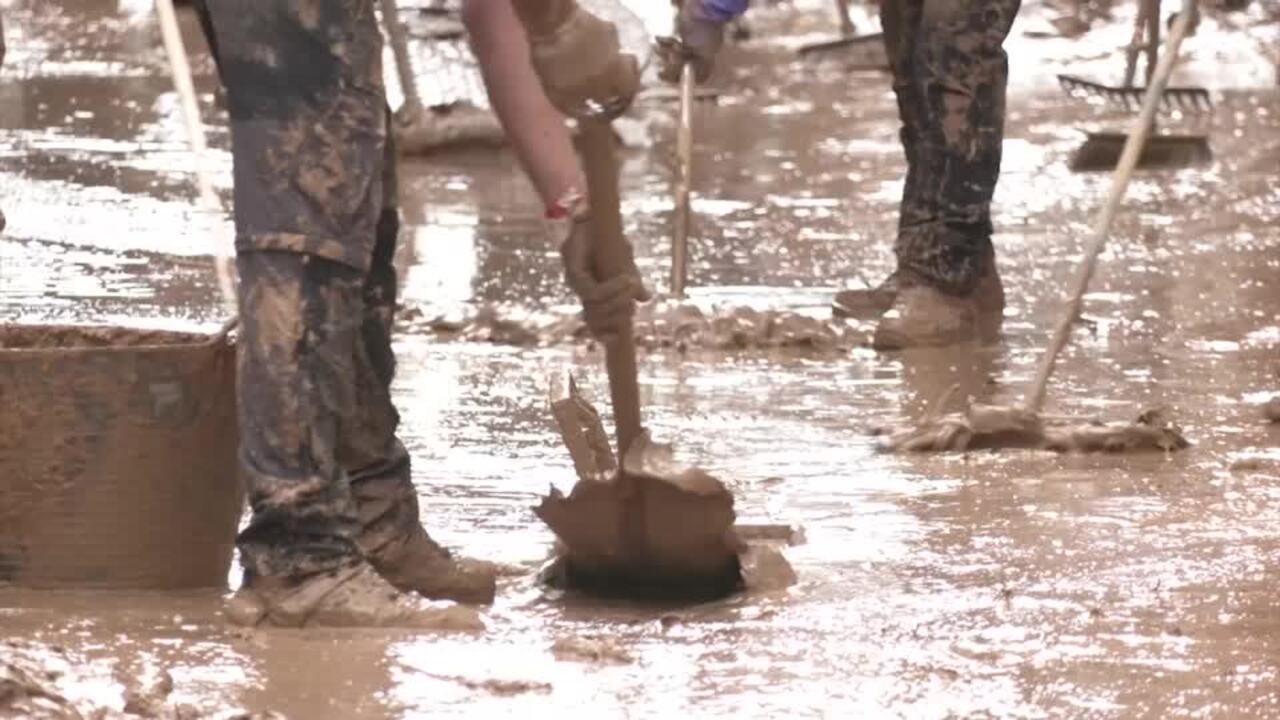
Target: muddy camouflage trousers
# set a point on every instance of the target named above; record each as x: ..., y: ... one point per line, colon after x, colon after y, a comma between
x: 316, y: 229
x: 949, y: 76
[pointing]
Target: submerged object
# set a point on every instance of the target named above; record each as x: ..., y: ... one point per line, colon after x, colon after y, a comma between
x: 423, y: 131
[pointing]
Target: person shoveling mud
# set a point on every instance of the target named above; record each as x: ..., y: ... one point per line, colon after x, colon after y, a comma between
x: 334, y: 538
x: 639, y: 526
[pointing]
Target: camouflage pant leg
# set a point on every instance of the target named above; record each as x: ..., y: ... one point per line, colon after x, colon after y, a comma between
x: 304, y: 89
x: 900, y: 20
x: 950, y: 75
x: 309, y: 129
x: 300, y: 330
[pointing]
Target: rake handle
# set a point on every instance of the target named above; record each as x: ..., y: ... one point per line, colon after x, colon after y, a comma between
x: 1119, y: 183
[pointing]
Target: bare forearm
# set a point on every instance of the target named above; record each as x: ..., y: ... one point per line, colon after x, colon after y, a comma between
x: 536, y: 129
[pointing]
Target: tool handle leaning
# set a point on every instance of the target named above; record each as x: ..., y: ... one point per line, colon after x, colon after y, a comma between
x: 399, y: 40
x: 1119, y: 183
x: 684, y: 182
x: 611, y: 259
x: 208, y: 198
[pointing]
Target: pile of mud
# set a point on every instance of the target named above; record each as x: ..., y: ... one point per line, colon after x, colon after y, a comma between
x: 659, y: 325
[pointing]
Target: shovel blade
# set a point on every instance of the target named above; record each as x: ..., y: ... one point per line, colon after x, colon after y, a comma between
x: 644, y: 533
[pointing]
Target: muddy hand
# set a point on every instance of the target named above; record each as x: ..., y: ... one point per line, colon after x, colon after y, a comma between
x: 582, y: 67
x: 606, y: 305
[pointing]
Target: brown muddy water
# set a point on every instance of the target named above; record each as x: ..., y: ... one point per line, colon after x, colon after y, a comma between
x: 1010, y: 584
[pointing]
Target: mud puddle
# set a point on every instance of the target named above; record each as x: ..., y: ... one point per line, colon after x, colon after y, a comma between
x: 1012, y: 584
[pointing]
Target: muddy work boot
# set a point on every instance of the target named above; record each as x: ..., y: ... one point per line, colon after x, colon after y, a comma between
x: 352, y: 597
x: 422, y: 566
x: 395, y: 543
x: 866, y: 304
x: 924, y: 316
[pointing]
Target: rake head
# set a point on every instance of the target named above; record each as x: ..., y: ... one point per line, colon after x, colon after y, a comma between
x: 1187, y: 99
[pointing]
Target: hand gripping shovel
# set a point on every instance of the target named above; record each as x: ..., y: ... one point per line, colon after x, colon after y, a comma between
x: 991, y: 426
x: 645, y: 528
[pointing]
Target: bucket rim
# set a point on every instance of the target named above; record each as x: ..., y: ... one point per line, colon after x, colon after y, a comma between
x: 182, y: 339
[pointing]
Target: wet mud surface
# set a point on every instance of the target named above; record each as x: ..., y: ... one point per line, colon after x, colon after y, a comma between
x: 1019, y: 583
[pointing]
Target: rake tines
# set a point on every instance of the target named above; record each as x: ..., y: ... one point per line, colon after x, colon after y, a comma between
x: 1187, y: 99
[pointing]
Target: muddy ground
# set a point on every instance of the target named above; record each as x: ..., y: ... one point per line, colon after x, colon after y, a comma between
x: 1010, y: 584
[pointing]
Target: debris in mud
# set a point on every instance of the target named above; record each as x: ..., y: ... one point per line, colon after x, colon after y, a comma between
x: 671, y: 536
x: 765, y: 569
x: 596, y: 650
x: 659, y: 325
x: 1252, y: 465
x: 1271, y: 411
x: 687, y: 326
x: 30, y: 677
x: 147, y: 700
x: 990, y: 426
x: 28, y: 687
x: 499, y: 686
x: 435, y: 128
x: 788, y: 534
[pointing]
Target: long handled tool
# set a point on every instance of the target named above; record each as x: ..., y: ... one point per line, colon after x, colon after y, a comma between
x: 684, y: 180
x: 994, y: 426
x: 207, y: 197
x: 641, y: 526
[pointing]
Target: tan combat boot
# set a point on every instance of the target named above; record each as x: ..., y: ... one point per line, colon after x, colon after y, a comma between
x: 395, y: 543
x: 418, y: 564
x: 923, y: 316
x: 351, y: 597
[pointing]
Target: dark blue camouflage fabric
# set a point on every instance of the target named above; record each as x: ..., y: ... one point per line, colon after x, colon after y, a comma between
x: 316, y: 225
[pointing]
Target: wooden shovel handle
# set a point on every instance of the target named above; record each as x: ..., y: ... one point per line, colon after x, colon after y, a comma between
x: 612, y: 259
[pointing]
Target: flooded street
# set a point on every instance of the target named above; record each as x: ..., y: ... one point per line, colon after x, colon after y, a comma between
x: 987, y: 584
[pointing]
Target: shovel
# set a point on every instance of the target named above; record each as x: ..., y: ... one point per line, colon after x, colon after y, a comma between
x: 992, y: 426
x: 641, y: 528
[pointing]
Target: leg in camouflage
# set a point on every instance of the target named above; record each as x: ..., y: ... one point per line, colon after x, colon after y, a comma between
x: 952, y: 101
x: 949, y: 74
x: 308, y: 116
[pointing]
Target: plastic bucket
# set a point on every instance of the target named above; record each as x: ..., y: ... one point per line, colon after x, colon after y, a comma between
x: 117, y: 458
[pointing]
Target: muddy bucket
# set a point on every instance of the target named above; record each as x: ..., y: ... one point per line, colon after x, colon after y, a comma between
x: 117, y: 458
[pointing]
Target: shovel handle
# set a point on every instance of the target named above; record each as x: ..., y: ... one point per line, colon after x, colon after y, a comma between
x: 611, y: 259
